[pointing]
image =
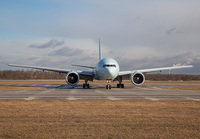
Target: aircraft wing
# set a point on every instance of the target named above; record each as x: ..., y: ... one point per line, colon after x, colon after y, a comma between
x: 124, y: 73
x: 87, y: 73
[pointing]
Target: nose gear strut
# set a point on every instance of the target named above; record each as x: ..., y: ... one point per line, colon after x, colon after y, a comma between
x: 108, y: 86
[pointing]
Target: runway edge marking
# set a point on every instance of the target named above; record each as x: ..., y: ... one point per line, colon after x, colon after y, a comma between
x: 30, y: 98
x: 149, y: 98
x: 71, y: 98
x: 188, y: 98
x: 112, y: 98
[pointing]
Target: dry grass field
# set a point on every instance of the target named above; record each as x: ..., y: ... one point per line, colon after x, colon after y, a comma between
x: 184, y: 88
x: 32, y: 82
x: 99, y: 119
x: 20, y: 88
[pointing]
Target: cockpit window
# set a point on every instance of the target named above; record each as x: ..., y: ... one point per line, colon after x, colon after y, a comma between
x: 107, y: 65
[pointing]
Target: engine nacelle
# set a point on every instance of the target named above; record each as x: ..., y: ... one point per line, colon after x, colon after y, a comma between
x: 137, y: 78
x: 72, y: 78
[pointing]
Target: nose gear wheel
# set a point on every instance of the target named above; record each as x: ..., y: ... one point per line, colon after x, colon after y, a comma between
x: 108, y: 86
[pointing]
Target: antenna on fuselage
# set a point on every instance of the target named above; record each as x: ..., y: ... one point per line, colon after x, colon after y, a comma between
x: 99, y: 50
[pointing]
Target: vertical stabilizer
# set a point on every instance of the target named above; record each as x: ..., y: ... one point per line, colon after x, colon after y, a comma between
x: 99, y: 50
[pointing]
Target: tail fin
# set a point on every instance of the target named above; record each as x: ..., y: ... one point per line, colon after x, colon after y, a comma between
x: 99, y: 50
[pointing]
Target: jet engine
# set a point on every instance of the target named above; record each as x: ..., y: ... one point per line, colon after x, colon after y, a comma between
x: 137, y: 78
x: 72, y: 78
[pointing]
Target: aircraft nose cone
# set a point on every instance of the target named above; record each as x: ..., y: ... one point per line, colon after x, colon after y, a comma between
x: 111, y: 73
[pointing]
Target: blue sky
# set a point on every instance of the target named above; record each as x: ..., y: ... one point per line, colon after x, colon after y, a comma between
x: 138, y: 34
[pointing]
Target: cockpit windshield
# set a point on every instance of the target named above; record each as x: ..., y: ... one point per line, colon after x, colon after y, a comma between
x: 108, y: 65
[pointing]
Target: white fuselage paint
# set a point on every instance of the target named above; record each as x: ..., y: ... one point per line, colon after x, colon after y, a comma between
x: 107, y: 69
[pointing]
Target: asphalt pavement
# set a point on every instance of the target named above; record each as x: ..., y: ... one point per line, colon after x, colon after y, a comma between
x: 98, y: 92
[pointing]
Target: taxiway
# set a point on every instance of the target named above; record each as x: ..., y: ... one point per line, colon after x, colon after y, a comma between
x: 98, y: 92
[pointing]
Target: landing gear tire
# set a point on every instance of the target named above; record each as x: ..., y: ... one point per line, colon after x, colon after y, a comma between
x: 86, y: 85
x: 120, y: 85
x: 108, y: 86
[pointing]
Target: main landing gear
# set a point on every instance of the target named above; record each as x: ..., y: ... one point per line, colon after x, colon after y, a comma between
x: 120, y: 85
x: 86, y: 85
x: 108, y: 86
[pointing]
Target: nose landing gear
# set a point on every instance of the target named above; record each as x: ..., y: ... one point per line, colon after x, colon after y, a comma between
x: 108, y: 86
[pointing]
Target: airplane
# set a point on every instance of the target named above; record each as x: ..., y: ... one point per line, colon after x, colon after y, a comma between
x: 107, y: 69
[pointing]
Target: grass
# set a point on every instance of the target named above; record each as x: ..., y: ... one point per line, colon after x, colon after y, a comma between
x: 32, y: 82
x: 99, y: 119
x: 196, y: 88
x: 20, y: 88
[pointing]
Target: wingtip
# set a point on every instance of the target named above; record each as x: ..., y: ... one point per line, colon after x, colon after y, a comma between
x: 11, y: 65
x: 183, y: 65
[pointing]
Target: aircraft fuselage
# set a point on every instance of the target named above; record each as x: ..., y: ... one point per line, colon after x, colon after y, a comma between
x: 107, y: 69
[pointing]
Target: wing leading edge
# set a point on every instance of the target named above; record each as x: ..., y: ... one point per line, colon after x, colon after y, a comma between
x: 121, y: 73
x: 87, y: 73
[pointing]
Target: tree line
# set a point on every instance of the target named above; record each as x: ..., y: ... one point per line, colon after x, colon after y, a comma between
x: 171, y: 77
x: 29, y: 74
x: 37, y: 74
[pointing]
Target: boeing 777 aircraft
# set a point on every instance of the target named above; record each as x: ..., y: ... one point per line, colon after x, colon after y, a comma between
x: 106, y: 69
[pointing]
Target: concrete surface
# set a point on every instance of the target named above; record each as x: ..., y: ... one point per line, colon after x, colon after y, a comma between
x: 98, y: 92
